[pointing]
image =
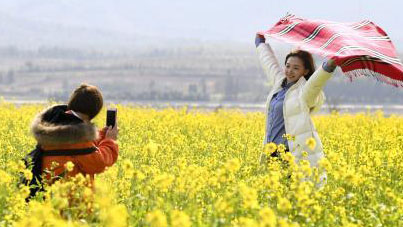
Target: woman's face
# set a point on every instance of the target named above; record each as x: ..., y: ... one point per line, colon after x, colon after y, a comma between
x: 294, y: 69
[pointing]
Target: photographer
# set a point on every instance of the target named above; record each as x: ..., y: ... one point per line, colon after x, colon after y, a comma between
x: 67, y: 133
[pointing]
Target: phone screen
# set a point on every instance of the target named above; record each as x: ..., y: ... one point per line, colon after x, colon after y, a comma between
x: 111, y: 117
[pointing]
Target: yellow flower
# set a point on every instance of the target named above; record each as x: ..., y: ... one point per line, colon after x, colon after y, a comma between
x: 247, y: 222
x: 325, y: 164
x: 127, y: 165
x: 180, y: 219
x: 54, y: 165
x: 249, y: 197
x: 281, y: 148
x: 284, y: 204
x: 306, y: 168
x: 191, y: 174
x: 156, y: 218
x: 270, y: 148
x: 232, y: 165
x: 27, y: 174
x: 289, y: 137
x: 284, y: 223
x: 87, y: 192
x: 151, y: 148
x: 138, y: 175
x: 223, y: 207
x: 117, y: 215
x: 24, y: 191
x: 311, y: 143
x: 60, y: 203
x: 16, y: 166
x: 163, y: 181
x: 69, y: 166
x: 267, y: 217
x: 288, y: 157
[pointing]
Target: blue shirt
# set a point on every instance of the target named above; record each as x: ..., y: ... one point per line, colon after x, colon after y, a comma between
x: 276, y: 127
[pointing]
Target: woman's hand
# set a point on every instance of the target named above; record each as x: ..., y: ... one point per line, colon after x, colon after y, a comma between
x: 112, y: 133
x: 329, y: 65
x: 259, y: 39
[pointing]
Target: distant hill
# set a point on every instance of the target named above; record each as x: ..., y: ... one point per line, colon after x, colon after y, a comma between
x: 26, y: 34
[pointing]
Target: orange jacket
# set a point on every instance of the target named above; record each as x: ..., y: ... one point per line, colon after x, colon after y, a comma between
x: 56, y: 129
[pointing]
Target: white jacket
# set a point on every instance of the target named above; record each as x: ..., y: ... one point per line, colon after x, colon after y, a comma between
x: 301, y: 99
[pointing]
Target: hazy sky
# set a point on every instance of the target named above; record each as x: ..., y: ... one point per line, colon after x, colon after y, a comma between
x: 236, y: 20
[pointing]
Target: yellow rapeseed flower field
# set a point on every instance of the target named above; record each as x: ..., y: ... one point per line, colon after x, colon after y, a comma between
x: 186, y: 167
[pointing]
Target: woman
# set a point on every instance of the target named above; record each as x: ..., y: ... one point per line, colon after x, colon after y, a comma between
x: 296, y: 93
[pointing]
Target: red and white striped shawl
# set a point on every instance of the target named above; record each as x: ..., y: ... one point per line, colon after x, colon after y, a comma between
x: 361, y: 48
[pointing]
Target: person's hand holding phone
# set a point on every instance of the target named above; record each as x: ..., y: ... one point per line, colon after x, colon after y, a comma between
x: 111, y: 124
x: 112, y: 132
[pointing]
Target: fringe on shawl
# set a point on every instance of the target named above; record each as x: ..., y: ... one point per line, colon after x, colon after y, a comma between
x: 380, y: 77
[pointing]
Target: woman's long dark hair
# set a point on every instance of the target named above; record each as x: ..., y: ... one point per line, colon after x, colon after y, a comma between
x: 306, y: 58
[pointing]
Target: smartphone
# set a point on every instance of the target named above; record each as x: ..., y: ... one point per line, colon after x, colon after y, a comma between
x: 111, y: 117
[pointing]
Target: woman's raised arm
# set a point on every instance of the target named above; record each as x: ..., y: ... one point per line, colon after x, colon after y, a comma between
x: 313, y: 87
x: 268, y: 60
